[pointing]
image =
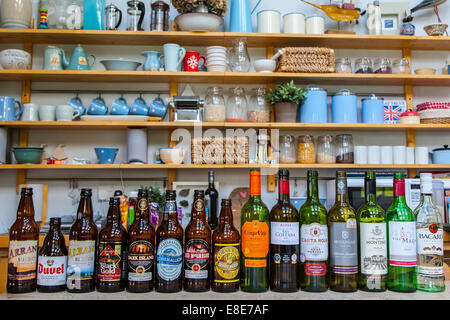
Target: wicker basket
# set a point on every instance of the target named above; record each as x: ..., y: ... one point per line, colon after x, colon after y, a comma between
x: 231, y: 150
x: 436, y: 116
x: 306, y: 59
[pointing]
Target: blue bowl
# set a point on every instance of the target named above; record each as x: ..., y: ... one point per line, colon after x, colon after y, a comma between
x: 28, y: 155
x: 106, y: 155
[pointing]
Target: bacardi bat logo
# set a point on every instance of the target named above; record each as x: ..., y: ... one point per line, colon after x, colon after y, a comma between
x: 433, y: 228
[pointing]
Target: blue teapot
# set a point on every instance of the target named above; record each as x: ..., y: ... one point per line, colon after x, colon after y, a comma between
x: 78, y: 60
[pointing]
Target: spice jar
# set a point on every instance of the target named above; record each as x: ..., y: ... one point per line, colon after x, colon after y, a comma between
x: 382, y: 65
x: 305, y: 149
x: 363, y: 65
x: 258, y: 108
x: 343, y: 65
x: 325, y: 149
x: 401, y: 66
x: 237, y: 105
x: 214, y: 109
x: 287, y: 149
x: 344, y: 148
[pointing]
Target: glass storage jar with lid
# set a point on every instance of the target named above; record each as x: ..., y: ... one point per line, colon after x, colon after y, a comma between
x: 325, y: 149
x: 305, y: 149
x: 382, y: 65
x: 236, y: 105
x: 401, y: 66
x: 344, y: 148
x: 343, y: 65
x: 258, y: 108
x: 287, y: 149
x: 214, y: 109
x: 363, y: 65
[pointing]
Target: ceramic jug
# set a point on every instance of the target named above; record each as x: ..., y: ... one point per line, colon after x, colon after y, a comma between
x: 79, y: 60
x: 240, y: 16
x: 15, y: 14
x: 55, y: 58
x: 152, y: 60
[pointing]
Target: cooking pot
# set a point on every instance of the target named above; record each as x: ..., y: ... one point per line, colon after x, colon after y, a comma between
x: 441, y: 155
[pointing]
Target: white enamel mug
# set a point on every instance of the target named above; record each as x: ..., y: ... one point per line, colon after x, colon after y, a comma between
x: 373, y: 155
x: 399, y: 153
x: 386, y: 154
x: 409, y: 155
x: 360, y: 154
x: 421, y: 155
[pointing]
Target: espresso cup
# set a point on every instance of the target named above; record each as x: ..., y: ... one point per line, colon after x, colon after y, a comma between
x: 386, y: 154
x: 421, y: 155
x: 360, y: 154
x: 399, y: 154
x: 139, y: 107
x: 373, y: 155
x: 120, y: 107
x: 97, y: 107
x: 66, y: 113
x: 30, y: 112
x: 47, y: 113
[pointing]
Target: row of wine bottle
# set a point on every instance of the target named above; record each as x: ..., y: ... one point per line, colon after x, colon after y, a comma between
x: 283, y: 249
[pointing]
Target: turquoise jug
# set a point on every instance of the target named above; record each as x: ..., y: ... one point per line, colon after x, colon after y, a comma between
x: 240, y: 16
x: 79, y: 60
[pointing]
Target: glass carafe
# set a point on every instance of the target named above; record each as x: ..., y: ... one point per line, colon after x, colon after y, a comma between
x: 214, y: 109
x: 258, y: 108
x: 237, y: 105
x: 238, y: 57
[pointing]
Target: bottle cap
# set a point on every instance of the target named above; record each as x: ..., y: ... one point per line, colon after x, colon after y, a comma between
x: 426, y: 183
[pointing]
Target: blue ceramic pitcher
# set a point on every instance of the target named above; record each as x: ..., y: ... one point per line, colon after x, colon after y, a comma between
x: 8, y: 109
x: 152, y: 60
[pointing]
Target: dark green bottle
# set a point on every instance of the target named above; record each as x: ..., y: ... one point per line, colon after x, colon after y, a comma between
x: 313, y: 240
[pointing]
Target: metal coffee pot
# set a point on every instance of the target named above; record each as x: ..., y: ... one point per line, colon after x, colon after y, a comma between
x: 113, y: 17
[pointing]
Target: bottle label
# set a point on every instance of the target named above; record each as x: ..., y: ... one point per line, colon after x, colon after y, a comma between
x: 140, y: 261
x: 22, y: 256
x: 131, y: 210
x: 110, y: 261
x: 196, y: 259
x: 208, y: 208
x: 169, y: 259
x: 402, y: 243
x: 51, y: 270
x: 255, y: 243
x: 343, y: 247
x: 81, y: 262
x: 373, y: 248
x: 284, y: 233
x: 315, y: 269
x: 399, y: 188
x: 199, y: 205
x: 430, y: 250
x: 143, y: 204
x: 283, y: 187
x: 314, y: 242
x: 226, y: 262
x: 170, y: 206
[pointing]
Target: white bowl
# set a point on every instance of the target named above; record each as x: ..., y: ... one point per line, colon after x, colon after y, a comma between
x: 216, y: 61
x: 265, y: 65
x: 15, y: 59
x: 172, y: 155
x: 198, y: 21
x: 216, y: 68
x: 216, y: 55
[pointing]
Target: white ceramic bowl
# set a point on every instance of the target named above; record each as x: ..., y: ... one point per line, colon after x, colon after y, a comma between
x: 216, y: 55
x: 265, y: 65
x: 216, y: 61
x: 15, y: 59
x: 172, y: 155
x: 198, y: 21
x: 427, y: 71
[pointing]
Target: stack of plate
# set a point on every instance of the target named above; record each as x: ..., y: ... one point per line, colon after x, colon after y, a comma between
x: 216, y: 59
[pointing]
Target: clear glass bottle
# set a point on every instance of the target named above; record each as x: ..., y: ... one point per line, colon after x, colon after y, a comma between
x: 237, y: 105
x: 343, y: 65
x: 401, y: 66
x: 430, y: 240
x: 287, y: 149
x: 305, y: 149
x: 214, y: 110
x: 325, y: 149
x: 238, y: 56
x: 363, y: 65
x: 382, y: 65
x: 258, y: 108
x: 344, y: 148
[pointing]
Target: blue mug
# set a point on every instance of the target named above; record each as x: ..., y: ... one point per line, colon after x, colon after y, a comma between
x: 120, y: 107
x: 77, y: 104
x: 97, y: 107
x: 139, y: 107
x: 157, y: 108
x: 8, y: 109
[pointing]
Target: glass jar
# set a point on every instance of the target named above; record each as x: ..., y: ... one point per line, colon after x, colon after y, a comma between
x: 305, y: 149
x: 401, y: 66
x: 343, y: 65
x: 237, y: 105
x: 325, y: 149
x: 238, y: 56
x: 214, y: 109
x: 287, y: 149
x: 363, y: 65
x: 258, y: 108
x: 344, y: 148
x: 382, y: 65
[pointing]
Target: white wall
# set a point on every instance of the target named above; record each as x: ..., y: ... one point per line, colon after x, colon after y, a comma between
x: 81, y: 143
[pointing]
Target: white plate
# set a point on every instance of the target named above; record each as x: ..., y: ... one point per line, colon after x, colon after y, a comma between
x: 113, y: 118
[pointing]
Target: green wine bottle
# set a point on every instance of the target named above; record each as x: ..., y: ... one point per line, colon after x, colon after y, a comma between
x: 372, y: 240
x: 401, y: 230
x: 313, y: 239
x: 255, y: 239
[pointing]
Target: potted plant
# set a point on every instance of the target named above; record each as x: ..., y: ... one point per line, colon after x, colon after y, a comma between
x: 286, y: 98
x: 200, y: 15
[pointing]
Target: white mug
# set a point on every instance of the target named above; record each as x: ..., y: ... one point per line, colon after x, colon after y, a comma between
x: 373, y: 155
x: 360, y: 154
x: 409, y: 155
x: 399, y: 154
x: 269, y: 21
x: 294, y: 23
x: 386, y: 154
x: 47, y: 113
x: 66, y: 113
x: 30, y: 112
x: 421, y: 155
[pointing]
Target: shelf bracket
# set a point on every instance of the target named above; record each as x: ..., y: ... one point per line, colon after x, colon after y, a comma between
x: 172, y: 173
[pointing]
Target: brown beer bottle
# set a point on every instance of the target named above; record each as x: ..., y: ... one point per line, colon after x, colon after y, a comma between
x: 112, y: 246
x: 225, y: 246
x: 52, y: 260
x: 169, y: 244
x: 197, y: 247
x: 141, y: 248
x: 82, y: 247
x: 23, y: 247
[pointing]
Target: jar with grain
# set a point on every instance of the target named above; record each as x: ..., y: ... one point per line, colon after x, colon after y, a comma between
x: 305, y: 149
x: 236, y: 105
x: 258, y: 108
x: 363, y: 65
x: 401, y: 66
x: 287, y: 149
x: 343, y: 65
x: 325, y: 149
x: 214, y: 110
x: 382, y: 65
x: 344, y: 148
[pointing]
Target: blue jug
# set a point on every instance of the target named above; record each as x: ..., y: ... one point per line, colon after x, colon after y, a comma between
x: 240, y: 16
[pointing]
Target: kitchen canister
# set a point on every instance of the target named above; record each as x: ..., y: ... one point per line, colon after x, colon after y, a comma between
x: 137, y: 145
x: 269, y: 21
x: 15, y: 14
x: 314, y: 109
x: 315, y: 25
x: 294, y: 23
x: 344, y: 107
x: 372, y: 109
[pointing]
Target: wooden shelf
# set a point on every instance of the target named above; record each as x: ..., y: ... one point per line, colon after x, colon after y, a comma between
x: 151, y: 125
x: 336, y: 41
